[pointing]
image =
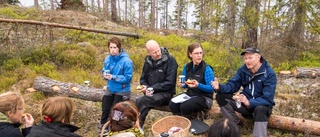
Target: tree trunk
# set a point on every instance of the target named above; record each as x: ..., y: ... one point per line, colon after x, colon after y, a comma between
x: 92, y: 6
x: 99, y: 6
x: 179, y: 15
x: 251, y: 23
x: 69, y: 27
x: 284, y: 123
x: 231, y: 23
x: 114, y: 10
x: 141, y: 13
x: 53, y: 87
x: 36, y: 4
x: 306, y: 72
x: 106, y: 8
x: 152, y: 21
x: 126, y: 11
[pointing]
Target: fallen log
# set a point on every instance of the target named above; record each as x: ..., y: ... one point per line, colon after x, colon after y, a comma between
x: 53, y: 87
x: 301, y: 72
x: 33, y: 22
x: 284, y: 123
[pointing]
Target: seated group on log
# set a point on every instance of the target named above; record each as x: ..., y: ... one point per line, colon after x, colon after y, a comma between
x: 121, y: 117
x: 158, y: 84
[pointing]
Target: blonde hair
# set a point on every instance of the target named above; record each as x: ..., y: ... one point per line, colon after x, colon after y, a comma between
x: 10, y: 101
x: 58, y: 109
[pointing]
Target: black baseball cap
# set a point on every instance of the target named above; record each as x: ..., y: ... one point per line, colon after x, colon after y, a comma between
x: 250, y: 50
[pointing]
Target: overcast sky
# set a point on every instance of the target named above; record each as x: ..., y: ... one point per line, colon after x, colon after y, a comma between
x: 26, y: 3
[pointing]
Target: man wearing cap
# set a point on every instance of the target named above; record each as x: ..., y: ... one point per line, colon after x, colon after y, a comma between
x: 258, y: 82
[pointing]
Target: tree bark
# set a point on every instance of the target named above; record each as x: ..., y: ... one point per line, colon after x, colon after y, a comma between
x: 251, y: 23
x: 36, y: 4
x: 152, y: 22
x: 53, y: 87
x: 306, y: 72
x: 33, y: 22
x: 284, y: 123
x: 114, y: 16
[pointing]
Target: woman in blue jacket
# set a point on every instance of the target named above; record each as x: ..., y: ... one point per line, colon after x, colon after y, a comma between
x: 117, y: 70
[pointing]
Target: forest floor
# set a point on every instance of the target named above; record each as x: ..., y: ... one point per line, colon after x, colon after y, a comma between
x: 298, y: 98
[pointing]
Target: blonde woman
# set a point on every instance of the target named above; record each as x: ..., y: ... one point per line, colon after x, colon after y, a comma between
x: 56, y: 113
x: 12, y: 115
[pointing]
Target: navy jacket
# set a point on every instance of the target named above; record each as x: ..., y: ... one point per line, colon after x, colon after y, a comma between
x: 260, y: 91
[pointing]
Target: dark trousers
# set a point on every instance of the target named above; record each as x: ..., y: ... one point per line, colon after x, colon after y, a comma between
x: 259, y: 113
x: 194, y: 104
x: 146, y: 103
x: 108, y: 101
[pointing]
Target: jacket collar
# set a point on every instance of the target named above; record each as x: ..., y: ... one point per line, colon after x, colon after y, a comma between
x: 4, y: 118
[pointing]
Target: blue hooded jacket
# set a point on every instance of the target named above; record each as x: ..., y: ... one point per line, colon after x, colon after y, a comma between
x: 121, y: 68
x: 260, y: 91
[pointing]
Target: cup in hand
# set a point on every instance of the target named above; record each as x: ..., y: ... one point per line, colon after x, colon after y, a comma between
x: 182, y: 78
x: 150, y: 91
x: 107, y: 71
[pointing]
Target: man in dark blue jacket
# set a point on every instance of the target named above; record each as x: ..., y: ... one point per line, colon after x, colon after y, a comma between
x: 159, y: 73
x: 256, y: 99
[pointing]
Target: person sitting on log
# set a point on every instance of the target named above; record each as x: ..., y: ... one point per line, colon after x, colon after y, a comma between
x: 199, y: 90
x: 57, y: 114
x: 124, y: 121
x: 159, y: 74
x: 224, y: 127
x: 12, y: 114
x: 256, y: 99
x: 117, y: 70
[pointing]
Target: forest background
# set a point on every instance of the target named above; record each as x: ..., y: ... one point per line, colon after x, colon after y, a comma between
x: 286, y: 32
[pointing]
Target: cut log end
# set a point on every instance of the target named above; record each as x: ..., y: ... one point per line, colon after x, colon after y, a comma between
x: 55, y: 88
x: 74, y: 89
x: 306, y: 72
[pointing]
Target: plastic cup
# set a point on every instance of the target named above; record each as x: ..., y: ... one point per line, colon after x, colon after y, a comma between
x: 182, y: 78
x: 86, y: 83
x: 107, y: 71
x: 150, y: 90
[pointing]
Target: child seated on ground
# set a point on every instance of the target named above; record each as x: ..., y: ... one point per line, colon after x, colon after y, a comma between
x: 224, y: 128
x: 56, y: 113
x: 124, y: 121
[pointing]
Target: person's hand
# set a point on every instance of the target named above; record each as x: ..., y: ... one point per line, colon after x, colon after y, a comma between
x: 244, y: 100
x: 215, y: 84
x: 108, y: 76
x: 143, y: 89
x: 27, y: 120
x: 181, y: 84
x: 193, y: 84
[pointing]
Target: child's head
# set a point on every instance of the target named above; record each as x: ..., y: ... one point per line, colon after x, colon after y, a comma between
x: 124, y: 115
x: 57, y: 109
x: 224, y: 128
x: 12, y: 105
